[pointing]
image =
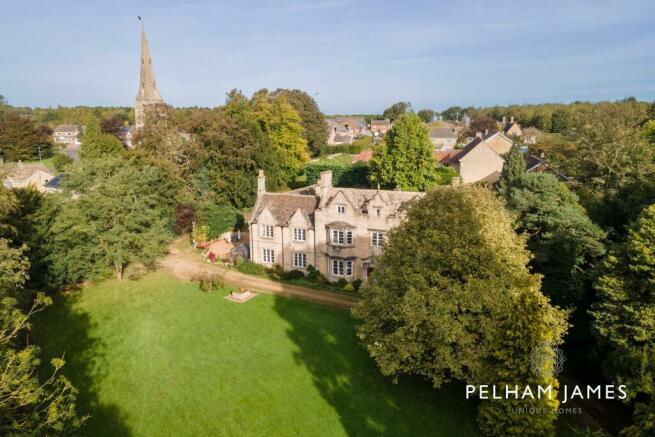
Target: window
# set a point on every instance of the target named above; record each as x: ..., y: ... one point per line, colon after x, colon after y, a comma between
x: 267, y: 231
x: 300, y: 260
x: 268, y: 256
x: 299, y: 234
x: 342, y: 268
x: 341, y: 209
x: 378, y: 212
x: 377, y: 239
x: 342, y: 237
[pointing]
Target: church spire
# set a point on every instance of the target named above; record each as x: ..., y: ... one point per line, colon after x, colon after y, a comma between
x: 148, y: 93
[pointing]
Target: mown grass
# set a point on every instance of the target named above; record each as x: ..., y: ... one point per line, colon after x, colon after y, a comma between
x: 159, y: 357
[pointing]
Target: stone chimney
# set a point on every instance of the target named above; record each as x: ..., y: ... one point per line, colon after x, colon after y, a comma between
x: 324, y: 183
x: 261, y: 182
x: 486, y: 132
x: 504, y: 119
x: 478, y: 134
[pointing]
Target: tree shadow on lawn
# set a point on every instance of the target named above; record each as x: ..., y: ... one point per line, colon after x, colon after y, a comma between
x: 65, y: 330
x: 367, y: 402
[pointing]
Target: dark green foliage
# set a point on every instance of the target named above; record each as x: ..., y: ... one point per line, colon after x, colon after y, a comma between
x: 451, y: 282
x: 218, y: 218
x: 355, y: 175
x: 482, y: 123
x: 120, y: 215
x: 445, y: 175
x: 396, y: 110
x: 313, y: 120
x: 561, y: 121
x: 514, y: 167
x: 96, y: 144
x: 208, y: 281
x: 250, y: 268
x: 60, y: 161
x: 566, y: 244
x: 405, y: 159
x: 426, y: 115
x: 624, y: 315
x: 293, y: 274
x: 21, y: 139
x: 353, y: 148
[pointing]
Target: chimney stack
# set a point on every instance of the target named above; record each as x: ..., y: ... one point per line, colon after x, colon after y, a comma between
x: 261, y: 182
x: 511, y: 119
x: 326, y: 179
x: 486, y: 132
x: 504, y: 119
x: 478, y: 134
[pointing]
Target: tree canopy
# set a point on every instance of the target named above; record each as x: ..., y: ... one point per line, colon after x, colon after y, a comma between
x: 450, y: 286
x: 394, y: 111
x: 96, y: 144
x: 405, y: 159
x: 315, y: 129
x: 22, y: 139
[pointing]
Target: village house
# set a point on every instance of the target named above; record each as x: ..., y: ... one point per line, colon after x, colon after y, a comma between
x: 511, y: 128
x: 344, y: 130
x: 67, y: 134
x: 443, y: 138
x: 37, y: 176
x: 339, y: 231
x: 482, y: 159
x: 379, y: 128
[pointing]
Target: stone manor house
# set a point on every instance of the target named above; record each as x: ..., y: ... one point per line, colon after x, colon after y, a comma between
x: 337, y: 230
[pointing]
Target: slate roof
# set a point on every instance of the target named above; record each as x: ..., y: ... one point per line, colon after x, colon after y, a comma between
x: 443, y: 132
x: 284, y: 205
x: 67, y: 128
x: 462, y: 153
x: 343, y: 138
x: 385, y: 122
x: 20, y: 172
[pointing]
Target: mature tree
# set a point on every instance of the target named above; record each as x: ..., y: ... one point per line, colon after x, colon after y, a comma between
x: 29, y: 405
x: 426, y: 115
x: 111, y: 125
x: 313, y: 120
x: 282, y: 126
x: 625, y: 315
x: 226, y: 168
x: 120, y: 214
x: 96, y: 144
x: 405, y: 159
x: 514, y: 167
x: 543, y: 121
x: 611, y: 150
x: 482, y: 123
x: 394, y: 111
x: 561, y: 121
x: 61, y: 161
x: 453, y: 113
x: 21, y: 139
x: 450, y: 284
x: 566, y: 244
x: 649, y: 131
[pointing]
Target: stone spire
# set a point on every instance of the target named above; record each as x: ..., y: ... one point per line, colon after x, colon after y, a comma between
x: 148, y: 93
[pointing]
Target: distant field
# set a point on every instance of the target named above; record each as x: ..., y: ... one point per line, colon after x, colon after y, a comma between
x: 159, y: 357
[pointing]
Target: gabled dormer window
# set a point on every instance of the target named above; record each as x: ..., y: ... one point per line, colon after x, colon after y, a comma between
x: 267, y: 231
x: 341, y: 209
x: 299, y: 234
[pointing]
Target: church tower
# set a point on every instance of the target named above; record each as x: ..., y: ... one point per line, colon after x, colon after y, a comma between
x: 148, y: 93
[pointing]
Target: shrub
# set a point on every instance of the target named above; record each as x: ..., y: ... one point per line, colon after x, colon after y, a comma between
x: 314, y: 275
x: 341, y: 283
x: 219, y: 219
x: 185, y: 215
x: 357, y: 284
x: 355, y: 175
x: 60, y: 161
x: 209, y: 281
x: 250, y: 268
x: 349, y: 287
x: 293, y: 274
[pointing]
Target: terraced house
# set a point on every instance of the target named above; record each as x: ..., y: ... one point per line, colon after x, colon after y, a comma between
x: 340, y: 231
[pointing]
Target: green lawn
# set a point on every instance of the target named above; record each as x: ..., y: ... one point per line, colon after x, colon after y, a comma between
x: 159, y: 357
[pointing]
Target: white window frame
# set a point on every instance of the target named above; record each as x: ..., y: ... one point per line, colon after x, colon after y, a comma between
x: 300, y: 260
x: 266, y: 231
x: 341, y: 209
x: 340, y: 237
x: 377, y: 239
x: 299, y: 234
x: 342, y: 268
x: 378, y: 212
x: 268, y: 256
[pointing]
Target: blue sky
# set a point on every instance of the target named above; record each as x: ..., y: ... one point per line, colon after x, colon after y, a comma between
x: 355, y: 56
